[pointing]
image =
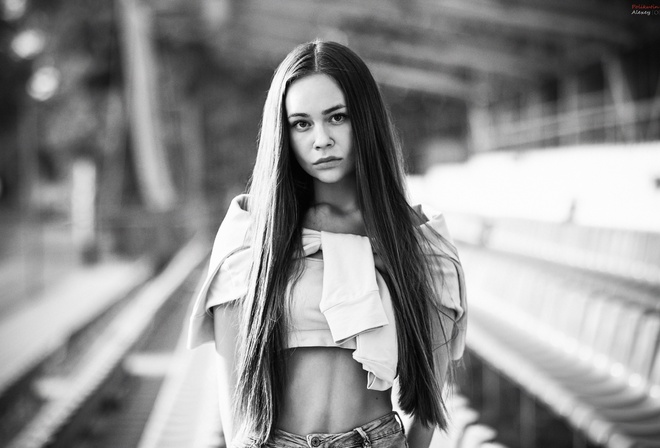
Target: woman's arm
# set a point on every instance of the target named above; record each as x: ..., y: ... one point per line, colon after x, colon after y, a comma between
x: 418, y: 435
x: 225, y: 318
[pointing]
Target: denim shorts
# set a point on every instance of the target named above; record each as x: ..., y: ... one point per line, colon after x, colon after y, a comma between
x: 384, y: 432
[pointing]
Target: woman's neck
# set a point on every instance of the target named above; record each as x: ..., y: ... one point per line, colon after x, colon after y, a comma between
x: 340, y: 195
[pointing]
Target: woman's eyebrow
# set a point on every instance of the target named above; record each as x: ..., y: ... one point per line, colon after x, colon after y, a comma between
x: 332, y: 109
x: 324, y: 112
x: 298, y: 114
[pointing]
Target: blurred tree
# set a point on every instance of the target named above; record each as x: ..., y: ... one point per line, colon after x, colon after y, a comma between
x: 224, y: 97
x: 14, y: 73
x: 80, y: 45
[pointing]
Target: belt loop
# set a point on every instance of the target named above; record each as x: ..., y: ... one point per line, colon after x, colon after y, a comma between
x: 398, y: 417
x: 365, y: 438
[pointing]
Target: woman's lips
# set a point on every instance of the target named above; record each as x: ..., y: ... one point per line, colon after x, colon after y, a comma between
x: 327, y: 162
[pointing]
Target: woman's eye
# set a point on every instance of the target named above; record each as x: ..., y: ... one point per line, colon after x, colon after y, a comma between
x: 300, y: 125
x: 338, y: 118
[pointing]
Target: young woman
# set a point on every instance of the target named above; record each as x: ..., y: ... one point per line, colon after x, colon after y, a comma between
x: 325, y: 286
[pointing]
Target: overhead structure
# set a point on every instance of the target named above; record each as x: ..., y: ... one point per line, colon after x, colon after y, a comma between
x: 484, y: 53
x: 505, y: 41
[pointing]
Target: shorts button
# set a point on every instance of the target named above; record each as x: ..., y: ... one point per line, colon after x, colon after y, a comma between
x: 315, y: 441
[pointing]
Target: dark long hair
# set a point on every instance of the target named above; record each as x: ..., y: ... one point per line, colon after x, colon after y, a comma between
x: 281, y: 192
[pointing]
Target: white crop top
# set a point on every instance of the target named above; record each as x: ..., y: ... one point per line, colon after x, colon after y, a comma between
x: 340, y: 300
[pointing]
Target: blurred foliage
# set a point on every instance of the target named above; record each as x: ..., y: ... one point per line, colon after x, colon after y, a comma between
x: 81, y: 44
x: 86, y: 117
x: 229, y: 98
x: 14, y: 72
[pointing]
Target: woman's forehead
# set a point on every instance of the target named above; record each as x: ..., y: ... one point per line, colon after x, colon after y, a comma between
x: 313, y: 93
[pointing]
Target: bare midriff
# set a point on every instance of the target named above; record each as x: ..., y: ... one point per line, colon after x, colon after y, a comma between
x: 326, y: 392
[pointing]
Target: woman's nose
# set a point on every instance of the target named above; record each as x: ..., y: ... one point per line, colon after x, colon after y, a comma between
x: 322, y: 138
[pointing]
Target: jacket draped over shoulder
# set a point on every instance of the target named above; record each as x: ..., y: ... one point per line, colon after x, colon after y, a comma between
x: 231, y: 258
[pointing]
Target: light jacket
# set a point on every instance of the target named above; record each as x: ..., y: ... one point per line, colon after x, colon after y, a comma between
x: 355, y: 300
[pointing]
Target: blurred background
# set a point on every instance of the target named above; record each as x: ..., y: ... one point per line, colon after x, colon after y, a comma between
x: 126, y: 127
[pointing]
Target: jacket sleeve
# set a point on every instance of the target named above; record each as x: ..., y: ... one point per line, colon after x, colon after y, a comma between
x: 227, y: 276
x: 449, y: 282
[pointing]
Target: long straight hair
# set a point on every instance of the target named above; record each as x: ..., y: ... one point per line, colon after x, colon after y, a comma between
x: 281, y: 192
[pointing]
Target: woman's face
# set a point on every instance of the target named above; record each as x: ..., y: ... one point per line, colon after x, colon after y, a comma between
x: 320, y: 130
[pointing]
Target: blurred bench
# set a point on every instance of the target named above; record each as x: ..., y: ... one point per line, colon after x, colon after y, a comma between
x: 623, y: 254
x: 572, y: 314
x: 465, y: 428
